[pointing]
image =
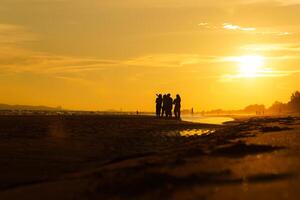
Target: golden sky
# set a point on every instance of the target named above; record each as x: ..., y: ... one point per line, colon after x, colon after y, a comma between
x: 112, y: 54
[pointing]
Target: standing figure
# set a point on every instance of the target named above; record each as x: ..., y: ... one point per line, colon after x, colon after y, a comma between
x: 169, y: 105
x: 158, y: 102
x: 164, y: 106
x: 177, y: 103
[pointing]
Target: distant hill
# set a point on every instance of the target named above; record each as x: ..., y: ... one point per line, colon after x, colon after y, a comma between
x: 26, y: 107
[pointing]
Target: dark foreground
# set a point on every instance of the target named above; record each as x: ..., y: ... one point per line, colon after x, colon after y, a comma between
x: 133, y: 157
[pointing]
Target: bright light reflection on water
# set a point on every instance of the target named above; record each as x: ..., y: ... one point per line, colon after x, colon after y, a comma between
x: 196, y: 132
x: 190, y: 132
x: 206, y: 119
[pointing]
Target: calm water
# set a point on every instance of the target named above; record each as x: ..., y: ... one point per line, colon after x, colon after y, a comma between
x: 206, y: 119
x: 199, y: 119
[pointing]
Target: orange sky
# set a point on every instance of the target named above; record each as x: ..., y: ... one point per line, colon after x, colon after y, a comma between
x: 100, y: 55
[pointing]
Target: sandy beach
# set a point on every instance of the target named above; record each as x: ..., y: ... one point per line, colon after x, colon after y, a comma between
x: 141, y: 157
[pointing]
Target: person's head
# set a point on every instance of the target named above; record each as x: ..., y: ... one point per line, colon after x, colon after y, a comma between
x: 160, y: 96
x: 169, y: 95
x: 178, y: 96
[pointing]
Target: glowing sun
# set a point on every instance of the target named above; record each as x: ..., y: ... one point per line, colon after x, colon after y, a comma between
x: 249, y: 66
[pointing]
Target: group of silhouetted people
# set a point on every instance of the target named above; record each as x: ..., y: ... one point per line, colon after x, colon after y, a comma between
x: 164, y: 106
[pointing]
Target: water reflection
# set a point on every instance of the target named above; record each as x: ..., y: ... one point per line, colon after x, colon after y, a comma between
x: 190, y: 132
x: 196, y: 132
x: 206, y: 119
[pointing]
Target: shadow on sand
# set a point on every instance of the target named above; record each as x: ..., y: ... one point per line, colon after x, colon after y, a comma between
x: 241, y: 149
x: 165, y: 184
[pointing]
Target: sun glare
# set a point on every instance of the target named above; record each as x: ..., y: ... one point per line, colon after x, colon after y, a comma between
x: 249, y: 66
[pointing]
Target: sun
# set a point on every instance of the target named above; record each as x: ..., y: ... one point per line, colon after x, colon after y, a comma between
x: 249, y: 66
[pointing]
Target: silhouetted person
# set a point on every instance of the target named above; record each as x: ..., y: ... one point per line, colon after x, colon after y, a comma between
x: 177, y: 103
x: 164, y: 106
x: 169, y: 105
x: 158, y: 102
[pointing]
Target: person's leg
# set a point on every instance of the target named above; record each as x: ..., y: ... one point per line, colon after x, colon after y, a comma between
x: 177, y: 113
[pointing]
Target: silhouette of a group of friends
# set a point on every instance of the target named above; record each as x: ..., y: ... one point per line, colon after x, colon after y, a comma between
x: 164, y: 106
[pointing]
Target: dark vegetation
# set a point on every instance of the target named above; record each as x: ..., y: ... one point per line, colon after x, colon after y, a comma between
x: 291, y: 107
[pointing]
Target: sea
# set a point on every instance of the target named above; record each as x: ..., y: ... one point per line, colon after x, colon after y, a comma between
x: 206, y: 119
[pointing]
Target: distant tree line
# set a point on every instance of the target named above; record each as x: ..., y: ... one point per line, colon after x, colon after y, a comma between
x: 293, y: 106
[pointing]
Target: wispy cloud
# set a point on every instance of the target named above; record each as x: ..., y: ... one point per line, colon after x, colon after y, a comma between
x: 36, y: 62
x: 244, y: 29
x: 15, y: 58
x: 294, y: 47
x: 52, y: 64
x: 257, y: 68
x: 168, y: 60
x: 237, y: 27
x: 265, y: 73
x: 13, y: 34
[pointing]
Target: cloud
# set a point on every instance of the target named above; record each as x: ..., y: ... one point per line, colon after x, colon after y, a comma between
x: 237, y: 27
x: 246, y: 29
x: 36, y: 62
x: 293, y: 47
x: 237, y: 59
x: 258, y: 70
x: 52, y: 64
x: 13, y: 35
x: 264, y: 73
x: 168, y: 60
x: 65, y: 67
x: 15, y: 58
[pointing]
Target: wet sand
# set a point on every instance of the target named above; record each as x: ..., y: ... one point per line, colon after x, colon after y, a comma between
x: 139, y: 157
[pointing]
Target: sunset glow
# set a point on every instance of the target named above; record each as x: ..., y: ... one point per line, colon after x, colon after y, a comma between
x: 250, y: 66
x: 150, y: 99
x: 107, y: 55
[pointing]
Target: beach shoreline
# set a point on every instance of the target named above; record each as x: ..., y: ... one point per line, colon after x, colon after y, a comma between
x: 126, y: 157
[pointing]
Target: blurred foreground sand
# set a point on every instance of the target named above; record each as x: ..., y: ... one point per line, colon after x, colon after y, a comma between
x: 136, y: 157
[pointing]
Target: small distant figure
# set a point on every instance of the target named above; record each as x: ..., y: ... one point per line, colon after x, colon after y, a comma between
x: 159, y: 101
x: 192, y: 111
x: 177, y: 103
x: 137, y: 112
x: 164, y: 105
